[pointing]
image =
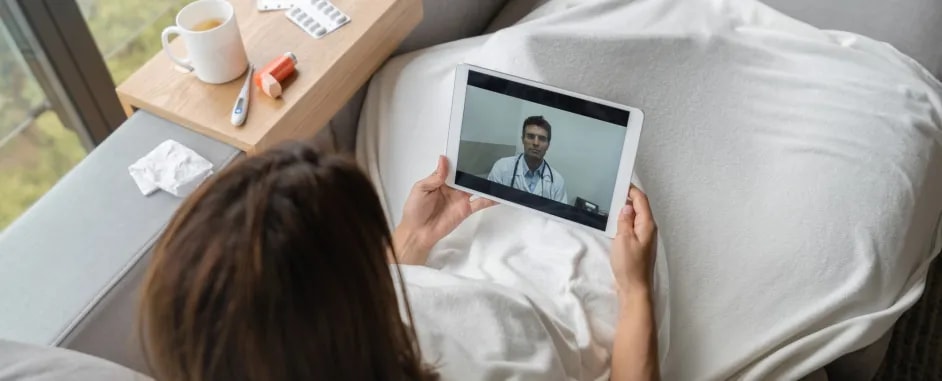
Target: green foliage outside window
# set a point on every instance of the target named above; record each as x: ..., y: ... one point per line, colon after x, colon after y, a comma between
x: 128, y: 34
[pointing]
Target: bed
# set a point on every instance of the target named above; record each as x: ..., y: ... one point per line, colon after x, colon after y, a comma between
x: 799, y: 209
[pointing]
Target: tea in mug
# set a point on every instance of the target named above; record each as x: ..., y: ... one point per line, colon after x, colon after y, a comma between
x: 206, y: 25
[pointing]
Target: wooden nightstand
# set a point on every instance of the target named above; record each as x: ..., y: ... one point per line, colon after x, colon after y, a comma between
x: 329, y: 71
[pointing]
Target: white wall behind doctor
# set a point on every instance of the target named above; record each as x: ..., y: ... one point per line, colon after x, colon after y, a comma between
x: 585, y: 151
x: 488, y: 118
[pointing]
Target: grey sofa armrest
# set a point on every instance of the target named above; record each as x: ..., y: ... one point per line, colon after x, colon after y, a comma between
x: 70, y: 265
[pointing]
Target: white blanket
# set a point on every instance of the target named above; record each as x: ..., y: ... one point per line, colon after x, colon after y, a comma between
x: 796, y: 176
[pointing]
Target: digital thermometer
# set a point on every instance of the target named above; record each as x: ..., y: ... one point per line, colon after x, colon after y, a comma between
x: 241, y: 106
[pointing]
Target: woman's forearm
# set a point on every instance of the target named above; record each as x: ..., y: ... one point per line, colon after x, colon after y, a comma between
x: 634, y: 356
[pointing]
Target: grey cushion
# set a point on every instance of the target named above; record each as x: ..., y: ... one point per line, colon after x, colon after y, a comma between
x: 513, y: 11
x: 443, y: 21
x: 861, y: 364
x: 30, y: 362
x: 912, y: 26
x: 449, y: 20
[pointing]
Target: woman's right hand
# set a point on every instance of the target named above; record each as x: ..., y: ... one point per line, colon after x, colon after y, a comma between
x: 633, y: 247
x: 432, y: 211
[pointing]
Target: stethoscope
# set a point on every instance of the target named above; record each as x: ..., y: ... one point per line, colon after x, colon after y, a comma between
x: 542, y: 178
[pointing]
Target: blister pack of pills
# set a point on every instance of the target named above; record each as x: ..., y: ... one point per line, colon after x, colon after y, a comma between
x: 317, y: 17
x: 273, y: 5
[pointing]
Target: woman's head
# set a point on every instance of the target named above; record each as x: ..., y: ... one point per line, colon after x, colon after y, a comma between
x: 276, y: 269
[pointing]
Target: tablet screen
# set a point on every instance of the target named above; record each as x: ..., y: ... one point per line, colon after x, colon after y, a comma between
x: 538, y: 148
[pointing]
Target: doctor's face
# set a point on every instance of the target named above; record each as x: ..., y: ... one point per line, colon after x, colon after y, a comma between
x: 535, y: 142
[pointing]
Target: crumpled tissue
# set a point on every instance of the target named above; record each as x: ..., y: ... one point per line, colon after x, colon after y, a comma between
x: 171, y: 167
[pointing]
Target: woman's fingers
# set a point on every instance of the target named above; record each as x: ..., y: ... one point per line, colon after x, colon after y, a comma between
x: 644, y: 221
x: 626, y: 216
x: 481, y: 203
x: 626, y: 220
x: 437, y: 178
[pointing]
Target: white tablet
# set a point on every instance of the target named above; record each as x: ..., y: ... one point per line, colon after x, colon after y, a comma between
x: 541, y: 148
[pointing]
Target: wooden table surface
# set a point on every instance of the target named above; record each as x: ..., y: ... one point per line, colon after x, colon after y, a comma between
x: 329, y: 71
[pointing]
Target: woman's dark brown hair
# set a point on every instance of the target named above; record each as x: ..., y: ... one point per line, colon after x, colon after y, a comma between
x: 276, y: 269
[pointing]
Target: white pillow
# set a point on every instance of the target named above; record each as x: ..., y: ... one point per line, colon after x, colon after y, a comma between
x: 20, y: 361
x: 877, y: 19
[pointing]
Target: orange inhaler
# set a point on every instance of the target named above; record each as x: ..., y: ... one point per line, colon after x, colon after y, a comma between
x: 270, y: 77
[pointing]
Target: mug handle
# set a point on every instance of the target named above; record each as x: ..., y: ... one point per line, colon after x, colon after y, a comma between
x: 185, y: 62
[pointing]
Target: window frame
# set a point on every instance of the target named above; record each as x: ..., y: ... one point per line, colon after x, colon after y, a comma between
x: 55, y: 42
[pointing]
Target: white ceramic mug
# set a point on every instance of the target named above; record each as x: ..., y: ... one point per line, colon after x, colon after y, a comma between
x: 215, y: 55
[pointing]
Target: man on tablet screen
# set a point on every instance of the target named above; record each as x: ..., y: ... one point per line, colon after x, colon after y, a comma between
x: 528, y: 171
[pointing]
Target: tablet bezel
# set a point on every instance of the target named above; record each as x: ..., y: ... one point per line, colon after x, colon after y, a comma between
x: 626, y: 162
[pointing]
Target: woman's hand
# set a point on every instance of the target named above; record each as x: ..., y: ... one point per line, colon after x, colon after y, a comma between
x: 633, y: 247
x: 634, y: 352
x: 431, y: 212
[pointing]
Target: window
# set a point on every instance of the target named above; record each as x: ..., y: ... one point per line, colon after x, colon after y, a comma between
x: 127, y: 32
x: 47, y: 120
x: 35, y: 148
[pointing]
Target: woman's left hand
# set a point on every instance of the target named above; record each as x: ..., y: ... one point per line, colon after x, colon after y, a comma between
x: 431, y: 212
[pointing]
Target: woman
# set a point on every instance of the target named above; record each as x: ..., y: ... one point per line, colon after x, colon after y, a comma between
x: 278, y: 269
